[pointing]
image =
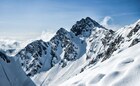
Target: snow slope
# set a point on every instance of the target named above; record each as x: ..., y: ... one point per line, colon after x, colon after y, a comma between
x: 121, y: 69
x: 11, y: 73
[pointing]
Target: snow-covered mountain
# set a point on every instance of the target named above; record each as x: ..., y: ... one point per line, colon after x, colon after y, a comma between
x: 100, y: 44
x: 89, y: 54
x: 121, y: 69
x: 122, y: 65
x: 64, y: 47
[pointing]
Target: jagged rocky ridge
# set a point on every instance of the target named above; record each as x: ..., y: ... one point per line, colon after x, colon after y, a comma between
x: 88, y: 42
x: 121, y: 69
x: 39, y: 55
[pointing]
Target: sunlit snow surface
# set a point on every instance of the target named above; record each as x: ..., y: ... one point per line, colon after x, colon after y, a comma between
x: 122, y: 69
x: 103, y: 58
x: 11, y: 73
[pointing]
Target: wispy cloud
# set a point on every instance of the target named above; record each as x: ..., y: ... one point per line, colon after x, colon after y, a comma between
x: 105, y: 21
x: 46, y: 36
x: 108, y: 23
x: 25, y: 16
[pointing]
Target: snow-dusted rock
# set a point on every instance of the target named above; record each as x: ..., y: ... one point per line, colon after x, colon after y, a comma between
x: 83, y: 50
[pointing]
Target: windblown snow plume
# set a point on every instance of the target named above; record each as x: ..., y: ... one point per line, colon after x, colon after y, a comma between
x: 105, y: 21
x: 108, y: 23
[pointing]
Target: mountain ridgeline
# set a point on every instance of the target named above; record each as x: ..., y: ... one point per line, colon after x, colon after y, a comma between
x: 66, y: 46
x: 69, y: 53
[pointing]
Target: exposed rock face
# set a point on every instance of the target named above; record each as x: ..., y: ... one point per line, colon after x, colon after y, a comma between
x: 134, y: 30
x: 4, y: 57
x: 87, y: 39
x: 64, y: 46
x: 30, y: 56
x: 84, y: 27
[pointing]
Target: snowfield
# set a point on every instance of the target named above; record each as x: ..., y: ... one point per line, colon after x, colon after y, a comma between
x: 122, y: 69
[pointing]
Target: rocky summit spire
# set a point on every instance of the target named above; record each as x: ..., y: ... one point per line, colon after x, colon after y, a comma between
x: 85, y: 26
x: 61, y: 31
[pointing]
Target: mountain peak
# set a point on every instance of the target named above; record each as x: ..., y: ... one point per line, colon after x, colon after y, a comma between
x: 85, y: 25
x: 61, y: 31
x: 88, y: 19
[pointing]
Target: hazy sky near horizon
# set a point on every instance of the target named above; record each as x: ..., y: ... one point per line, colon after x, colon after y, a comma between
x: 24, y: 19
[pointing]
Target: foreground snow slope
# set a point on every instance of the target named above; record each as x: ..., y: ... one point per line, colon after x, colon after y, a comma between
x: 122, y: 69
x: 11, y: 73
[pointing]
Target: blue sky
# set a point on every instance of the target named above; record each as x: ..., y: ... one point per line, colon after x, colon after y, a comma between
x: 24, y: 19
